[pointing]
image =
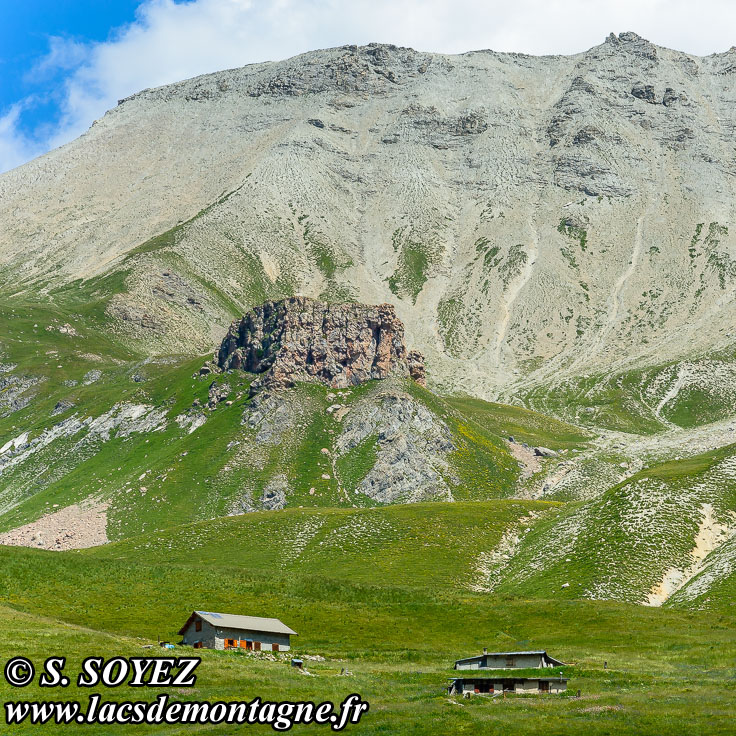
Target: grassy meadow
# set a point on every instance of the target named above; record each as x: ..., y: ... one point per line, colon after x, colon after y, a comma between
x: 668, y: 671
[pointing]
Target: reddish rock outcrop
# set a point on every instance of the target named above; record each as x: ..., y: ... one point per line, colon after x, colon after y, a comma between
x: 300, y: 339
x: 415, y: 361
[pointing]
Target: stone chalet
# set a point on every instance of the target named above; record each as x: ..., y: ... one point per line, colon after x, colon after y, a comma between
x: 497, y: 682
x: 228, y: 631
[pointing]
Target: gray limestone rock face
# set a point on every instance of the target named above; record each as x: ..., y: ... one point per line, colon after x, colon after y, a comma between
x: 271, y: 414
x: 92, y: 376
x: 217, y: 392
x: 274, y: 494
x: 644, y: 92
x: 412, y: 446
x: 15, y: 392
x: 417, y: 371
x: 61, y: 406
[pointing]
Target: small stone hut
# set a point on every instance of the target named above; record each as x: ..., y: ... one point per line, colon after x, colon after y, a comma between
x: 492, y: 672
x: 206, y: 630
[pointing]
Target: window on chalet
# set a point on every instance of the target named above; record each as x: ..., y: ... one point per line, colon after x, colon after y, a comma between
x: 198, y: 625
x: 510, y: 662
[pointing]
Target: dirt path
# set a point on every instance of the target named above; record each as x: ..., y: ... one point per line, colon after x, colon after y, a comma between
x: 526, y: 458
x: 618, y: 289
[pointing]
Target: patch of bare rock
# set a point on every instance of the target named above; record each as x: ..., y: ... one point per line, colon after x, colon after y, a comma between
x: 74, y: 527
x: 412, y: 449
x: 526, y: 457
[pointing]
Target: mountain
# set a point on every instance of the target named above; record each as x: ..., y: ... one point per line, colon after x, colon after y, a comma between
x: 538, y: 222
x: 228, y: 295
x: 419, y: 353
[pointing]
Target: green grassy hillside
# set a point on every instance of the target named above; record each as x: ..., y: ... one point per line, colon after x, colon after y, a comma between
x: 107, y: 424
x: 138, y: 434
x: 667, y: 670
x: 714, y: 586
x: 522, y: 424
x: 672, y: 522
x: 157, y: 468
x: 666, y: 523
x: 432, y: 545
x: 686, y: 393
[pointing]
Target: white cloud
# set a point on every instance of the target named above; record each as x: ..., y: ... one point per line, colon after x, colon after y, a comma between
x: 62, y: 54
x: 170, y: 41
x: 15, y: 147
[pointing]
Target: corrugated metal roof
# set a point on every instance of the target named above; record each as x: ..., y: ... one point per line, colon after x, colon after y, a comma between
x: 515, y: 654
x: 248, y: 623
x: 499, y: 654
x: 510, y: 654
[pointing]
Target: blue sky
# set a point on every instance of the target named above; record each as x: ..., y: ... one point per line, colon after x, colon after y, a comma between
x: 63, y: 63
x: 26, y: 31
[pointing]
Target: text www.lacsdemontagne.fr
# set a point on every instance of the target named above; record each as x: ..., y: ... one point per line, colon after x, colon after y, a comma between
x: 281, y: 716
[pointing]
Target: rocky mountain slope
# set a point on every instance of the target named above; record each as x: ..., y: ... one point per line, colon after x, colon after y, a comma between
x: 533, y: 219
x: 551, y: 232
x: 101, y: 445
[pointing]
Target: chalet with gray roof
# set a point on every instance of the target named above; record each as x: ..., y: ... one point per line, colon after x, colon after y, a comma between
x: 493, y: 672
x: 207, y: 630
